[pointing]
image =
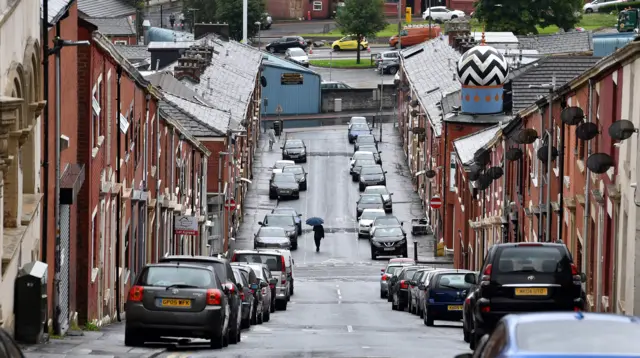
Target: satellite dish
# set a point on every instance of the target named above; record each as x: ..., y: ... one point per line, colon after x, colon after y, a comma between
x: 484, y: 181
x: 622, y: 129
x: 414, y: 113
x: 514, y: 154
x: 587, y: 131
x: 495, y: 172
x: 474, y: 172
x: 414, y: 103
x: 526, y: 136
x: 482, y: 157
x: 543, y: 155
x: 263, y: 81
x: 430, y: 173
x: 572, y: 115
x: 599, y: 162
x: 417, y: 130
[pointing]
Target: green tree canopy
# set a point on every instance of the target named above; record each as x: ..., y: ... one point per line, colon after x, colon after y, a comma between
x: 206, y: 10
x: 227, y: 11
x: 524, y: 16
x: 361, y: 18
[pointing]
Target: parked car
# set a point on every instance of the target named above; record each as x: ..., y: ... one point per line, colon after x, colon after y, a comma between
x: 280, y: 263
x: 364, y: 139
x: 251, y: 301
x: 357, y: 167
x: 414, y: 290
x: 183, y: 300
x: 595, y: 5
x: 287, y: 42
x: 295, y: 150
x: 290, y: 211
x: 264, y: 279
x: 388, y: 241
x: 445, y: 296
x: 467, y: 314
x: 284, y: 185
x: 524, y: 277
x: 223, y: 271
x: 387, y: 221
x: 423, y: 285
x: 334, y: 85
x: 355, y: 130
x: 373, y: 149
x: 366, y: 220
x: 349, y: 42
x: 357, y: 120
x: 441, y: 14
x: 388, y: 271
x: 285, y: 221
x: 279, y: 164
x: 297, y: 56
x: 387, y: 57
x: 399, y: 287
x: 386, y: 196
x: 271, y: 237
x: 372, y: 175
x: 369, y: 201
x: 299, y: 173
x: 414, y: 35
x: 360, y: 155
x: 389, y: 68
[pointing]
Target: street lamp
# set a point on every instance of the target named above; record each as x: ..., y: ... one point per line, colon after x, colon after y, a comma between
x: 259, y: 25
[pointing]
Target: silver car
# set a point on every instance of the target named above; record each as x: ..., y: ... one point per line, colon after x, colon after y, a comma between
x: 386, y: 195
x: 271, y: 237
x: 386, y: 274
x: 285, y: 221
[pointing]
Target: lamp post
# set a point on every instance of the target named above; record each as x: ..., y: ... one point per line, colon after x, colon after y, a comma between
x: 259, y: 25
x: 193, y: 20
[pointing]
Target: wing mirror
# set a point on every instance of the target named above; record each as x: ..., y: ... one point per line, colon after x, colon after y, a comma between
x: 583, y: 277
x: 260, y: 223
x: 470, y: 278
x: 273, y: 281
x: 263, y: 284
x: 421, y: 287
x: 225, y: 289
x: 240, y: 286
x: 385, y: 172
x: 254, y: 286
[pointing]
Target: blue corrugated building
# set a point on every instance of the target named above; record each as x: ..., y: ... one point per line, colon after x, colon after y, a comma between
x: 295, y: 88
x: 606, y: 44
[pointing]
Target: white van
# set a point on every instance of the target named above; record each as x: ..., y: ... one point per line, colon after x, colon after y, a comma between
x: 280, y: 262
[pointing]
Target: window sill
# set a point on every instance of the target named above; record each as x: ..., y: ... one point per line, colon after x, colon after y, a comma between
x: 96, y: 149
x: 534, y: 180
x: 580, y: 164
x: 556, y: 171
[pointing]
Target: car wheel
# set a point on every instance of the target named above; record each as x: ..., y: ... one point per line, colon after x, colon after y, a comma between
x: 421, y: 313
x: 454, y: 17
x: 394, y: 300
x: 272, y: 196
x: 354, y: 178
x: 476, y: 335
x: 465, y: 333
x: 254, y: 316
x: 271, y: 50
x: 217, y: 341
x: 272, y: 306
x: 132, y: 338
x: 362, y: 187
x: 428, y: 319
x: 389, y: 297
x: 362, y: 48
x: 373, y: 254
x: 281, y: 305
x: 383, y: 294
x: 225, y: 340
x: 428, y: 18
x: 246, y: 322
x: 393, y: 70
x: 589, y: 11
x: 233, y: 335
x: 336, y: 48
x: 267, y: 316
x: 291, y: 289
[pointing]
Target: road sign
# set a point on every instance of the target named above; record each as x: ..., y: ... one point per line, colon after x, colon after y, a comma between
x: 279, y: 109
x: 436, y: 202
x: 230, y: 205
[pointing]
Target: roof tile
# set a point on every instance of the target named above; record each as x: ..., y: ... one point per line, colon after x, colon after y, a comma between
x: 564, y: 42
x: 215, y: 120
x: 113, y: 26
x: 467, y: 146
x: 105, y: 8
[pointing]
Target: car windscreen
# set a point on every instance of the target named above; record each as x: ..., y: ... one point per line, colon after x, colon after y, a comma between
x: 165, y: 276
x: 363, y: 162
x: 366, y: 138
x: 393, y: 268
x: 274, y: 262
x: 245, y: 275
x: 360, y: 127
x: 373, y: 169
x: 408, y: 274
x: 293, y: 169
x: 453, y: 281
x: 363, y: 155
x: 586, y: 337
x: 271, y: 232
x: 279, y: 220
x: 282, y: 164
x: 293, y: 144
x: 388, y: 232
x: 284, y: 179
x: 297, y: 52
x: 541, y: 259
x: 374, y: 190
x: 370, y: 199
x: 371, y: 215
x: 387, y: 221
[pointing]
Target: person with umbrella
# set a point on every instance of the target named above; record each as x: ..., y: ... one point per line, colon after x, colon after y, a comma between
x: 318, y: 230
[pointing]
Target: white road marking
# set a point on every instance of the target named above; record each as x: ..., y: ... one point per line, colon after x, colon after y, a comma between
x: 365, y: 347
x: 349, y: 329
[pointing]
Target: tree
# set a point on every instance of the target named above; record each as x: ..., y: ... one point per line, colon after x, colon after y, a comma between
x: 206, y: 10
x: 230, y: 12
x: 522, y: 17
x: 361, y: 18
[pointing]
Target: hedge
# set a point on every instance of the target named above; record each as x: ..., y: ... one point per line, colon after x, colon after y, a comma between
x: 619, y: 6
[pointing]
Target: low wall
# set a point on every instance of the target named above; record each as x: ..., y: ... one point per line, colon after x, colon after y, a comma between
x: 331, y: 121
x: 358, y: 99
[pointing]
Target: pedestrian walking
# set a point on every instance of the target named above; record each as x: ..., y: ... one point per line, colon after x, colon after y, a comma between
x: 272, y: 136
x: 182, y: 19
x: 172, y: 20
x: 318, y: 234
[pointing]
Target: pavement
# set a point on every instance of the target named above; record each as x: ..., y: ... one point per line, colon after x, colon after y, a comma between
x: 336, y: 310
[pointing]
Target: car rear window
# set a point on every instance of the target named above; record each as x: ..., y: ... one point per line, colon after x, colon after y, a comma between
x: 238, y: 276
x: 218, y: 267
x: 163, y: 276
x: 274, y: 262
x: 533, y: 259
x: 392, y: 269
x: 409, y: 273
x: 453, y: 281
x: 587, y: 337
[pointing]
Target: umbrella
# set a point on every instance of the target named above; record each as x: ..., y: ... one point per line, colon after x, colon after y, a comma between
x: 314, y: 221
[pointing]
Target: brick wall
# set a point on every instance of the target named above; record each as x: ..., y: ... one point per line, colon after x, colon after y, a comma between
x: 355, y: 99
x: 212, y: 165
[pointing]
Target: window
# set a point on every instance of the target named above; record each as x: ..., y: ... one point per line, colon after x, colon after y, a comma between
x: 317, y: 6
x: 557, y: 145
x: 96, y: 106
x: 136, y: 142
x: 536, y: 162
x: 120, y: 42
x: 94, y: 239
x: 452, y: 173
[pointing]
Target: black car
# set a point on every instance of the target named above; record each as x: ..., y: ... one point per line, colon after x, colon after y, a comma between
x: 372, y: 175
x: 284, y: 43
x: 399, y: 287
x: 180, y: 300
x: 284, y: 185
x: 369, y: 201
x: 373, y: 149
x: 294, y: 149
x: 285, y: 221
x: 357, y: 166
x: 364, y: 139
x: 388, y: 241
x: 223, y: 270
x: 292, y: 212
x: 391, y: 68
x: 249, y: 301
x: 300, y: 174
x: 254, y: 316
x: 357, y: 129
x: 467, y: 311
x: 524, y: 277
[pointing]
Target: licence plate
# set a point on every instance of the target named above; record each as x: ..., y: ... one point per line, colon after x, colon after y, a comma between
x: 531, y: 291
x: 454, y: 308
x: 389, y: 248
x: 293, y: 155
x: 170, y: 302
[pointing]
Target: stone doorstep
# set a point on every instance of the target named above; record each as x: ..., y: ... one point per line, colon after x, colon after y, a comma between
x: 12, y: 237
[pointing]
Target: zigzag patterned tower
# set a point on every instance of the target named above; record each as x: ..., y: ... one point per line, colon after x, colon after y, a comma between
x: 482, y: 71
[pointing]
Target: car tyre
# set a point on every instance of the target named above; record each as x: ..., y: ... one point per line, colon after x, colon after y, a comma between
x: 132, y: 338
x: 273, y: 196
x: 421, y: 313
x: 589, y: 11
x: 383, y: 294
x: 234, y: 336
x: 362, y: 48
x: 428, y: 319
x: 465, y: 333
x: 271, y: 50
x: 475, y: 338
x: 373, y: 254
x: 394, y: 300
x: 354, y: 178
x: 361, y: 187
x: 267, y: 316
x: 303, y: 187
x: 291, y: 289
x: 336, y: 48
x: 253, y: 320
x: 246, y: 322
x: 281, y: 305
x: 272, y: 306
x: 225, y: 340
x: 392, y: 70
x: 217, y: 341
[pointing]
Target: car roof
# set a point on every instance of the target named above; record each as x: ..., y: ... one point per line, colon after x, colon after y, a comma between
x: 284, y: 208
x: 388, y: 216
x: 362, y: 152
x: 285, y: 161
x: 372, y: 165
x: 194, y: 258
x: 175, y: 264
x: 294, y: 139
x: 365, y: 118
x: 373, y: 210
x: 530, y: 244
x: 568, y: 316
x: 364, y: 136
x: 375, y: 187
x: 293, y: 166
x: 281, y: 215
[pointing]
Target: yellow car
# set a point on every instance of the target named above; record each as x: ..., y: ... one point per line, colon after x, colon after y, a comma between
x: 349, y: 43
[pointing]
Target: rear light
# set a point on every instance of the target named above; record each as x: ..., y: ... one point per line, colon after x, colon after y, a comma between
x: 403, y: 284
x: 252, y: 291
x: 467, y: 301
x: 574, y: 270
x: 530, y: 244
x: 135, y: 293
x: 284, y: 281
x: 385, y: 277
x: 486, y: 275
x: 233, y: 258
x: 284, y: 267
x: 576, y: 309
x: 242, y: 295
x: 232, y: 288
x: 485, y: 309
x: 272, y: 286
x: 214, y: 297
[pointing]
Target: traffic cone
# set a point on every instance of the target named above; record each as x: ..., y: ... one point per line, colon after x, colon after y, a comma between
x: 311, y: 49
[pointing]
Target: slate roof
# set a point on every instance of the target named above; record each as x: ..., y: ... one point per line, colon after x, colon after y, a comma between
x: 105, y: 8
x: 113, y: 26
x: 133, y: 53
x: 55, y: 9
x: 228, y: 82
x: 201, y: 120
x: 271, y: 60
x: 468, y: 145
x: 187, y: 121
x: 565, y: 68
x: 564, y: 42
x: 165, y: 81
x: 430, y: 65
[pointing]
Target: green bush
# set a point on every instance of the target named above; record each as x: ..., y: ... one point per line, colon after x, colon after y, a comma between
x: 619, y: 6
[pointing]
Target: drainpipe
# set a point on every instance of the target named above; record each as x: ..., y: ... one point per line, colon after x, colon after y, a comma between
x: 587, y: 190
x: 549, y: 211
x: 56, y: 193
x: 539, y: 179
x: 445, y: 172
x: 45, y: 120
x: 157, y: 161
x: 172, y: 189
x: 561, y: 175
x: 145, y: 215
x: 193, y: 196
x: 119, y: 200
x: 505, y: 198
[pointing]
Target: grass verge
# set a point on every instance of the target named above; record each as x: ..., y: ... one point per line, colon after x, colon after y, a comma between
x: 589, y: 22
x: 343, y: 63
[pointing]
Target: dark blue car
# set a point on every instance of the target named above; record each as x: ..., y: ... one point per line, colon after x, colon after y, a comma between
x: 358, y: 129
x: 561, y: 335
x: 445, y: 296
